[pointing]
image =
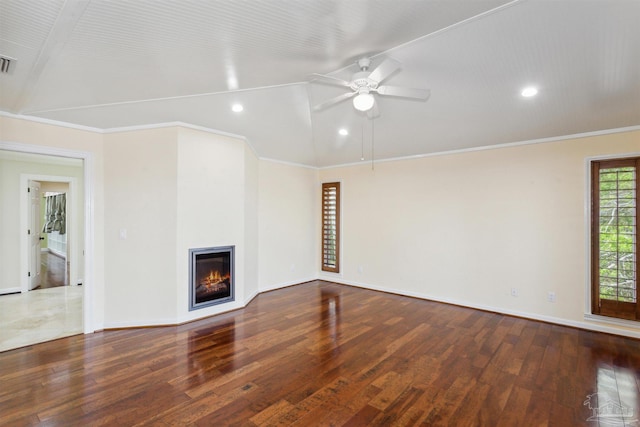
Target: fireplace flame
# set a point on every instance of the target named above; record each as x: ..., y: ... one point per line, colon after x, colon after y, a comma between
x: 214, y: 276
x: 215, y: 281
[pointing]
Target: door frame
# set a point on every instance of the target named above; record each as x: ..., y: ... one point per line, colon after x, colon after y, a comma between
x: 72, y: 249
x: 89, y: 324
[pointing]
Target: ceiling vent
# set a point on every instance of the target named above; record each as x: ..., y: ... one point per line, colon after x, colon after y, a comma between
x: 7, y: 64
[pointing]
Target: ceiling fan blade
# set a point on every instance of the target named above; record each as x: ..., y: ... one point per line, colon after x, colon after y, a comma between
x: 384, y: 70
x: 405, y: 92
x: 333, y: 101
x: 330, y: 80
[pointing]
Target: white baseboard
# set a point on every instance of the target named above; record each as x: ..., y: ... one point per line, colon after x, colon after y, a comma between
x: 189, y: 317
x: 139, y: 323
x: 250, y: 297
x: 527, y: 315
x: 273, y: 287
x: 215, y: 310
x: 591, y: 323
x: 10, y: 290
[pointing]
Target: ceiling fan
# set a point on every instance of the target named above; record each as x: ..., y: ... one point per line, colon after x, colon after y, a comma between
x: 364, y: 84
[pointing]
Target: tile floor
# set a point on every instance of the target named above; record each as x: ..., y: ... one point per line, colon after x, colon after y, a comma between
x: 40, y: 315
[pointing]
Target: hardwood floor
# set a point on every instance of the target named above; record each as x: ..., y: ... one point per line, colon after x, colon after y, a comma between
x: 54, y: 271
x: 328, y: 355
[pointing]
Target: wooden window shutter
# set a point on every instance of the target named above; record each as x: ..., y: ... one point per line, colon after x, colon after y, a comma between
x: 331, y: 227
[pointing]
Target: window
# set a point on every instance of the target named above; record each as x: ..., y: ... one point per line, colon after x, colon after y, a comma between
x: 614, y: 239
x: 331, y: 227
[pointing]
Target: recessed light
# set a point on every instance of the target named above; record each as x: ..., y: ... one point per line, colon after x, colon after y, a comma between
x: 237, y: 108
x: 343, y: 132
x: 528, y: 92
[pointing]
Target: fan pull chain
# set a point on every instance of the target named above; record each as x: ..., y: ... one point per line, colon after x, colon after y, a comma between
x: 362, y: 140
x: 372, y: 145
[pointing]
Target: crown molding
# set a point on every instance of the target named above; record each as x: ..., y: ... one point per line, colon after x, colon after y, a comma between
x: 358, y: 163
x: 50, y: 122
x: 129, y: 128
x: 493, y: 147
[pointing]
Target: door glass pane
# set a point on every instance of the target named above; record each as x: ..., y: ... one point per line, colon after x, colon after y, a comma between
x: 618, y: 234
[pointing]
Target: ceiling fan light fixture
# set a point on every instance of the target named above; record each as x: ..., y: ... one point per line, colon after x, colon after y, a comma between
x: 363, y: 101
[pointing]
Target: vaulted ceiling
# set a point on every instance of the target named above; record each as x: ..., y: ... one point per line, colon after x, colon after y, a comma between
x: 120, y: 63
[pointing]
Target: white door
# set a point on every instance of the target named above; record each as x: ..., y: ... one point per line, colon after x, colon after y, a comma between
x: 34, y: 234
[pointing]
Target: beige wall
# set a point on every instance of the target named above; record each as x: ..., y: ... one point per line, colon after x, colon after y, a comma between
x: 49, y: 135
x: 289, y: 203
x: 251, y: 224
x: 141, y: 201
x: 462, y: 228
x: 466, y: 228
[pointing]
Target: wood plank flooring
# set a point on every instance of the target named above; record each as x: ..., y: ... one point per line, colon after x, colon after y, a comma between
x: 54, y: 271
x: 322, y: 354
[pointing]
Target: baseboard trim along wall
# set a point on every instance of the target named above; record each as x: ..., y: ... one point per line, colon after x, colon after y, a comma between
x: 588, y: 324
x: 157, y: 323
x: 525, y: 315
x: 287, y: 284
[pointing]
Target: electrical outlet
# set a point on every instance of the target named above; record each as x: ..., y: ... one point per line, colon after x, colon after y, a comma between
x: 360, y: 269
x: 514, y: 292
x: 551, y: 296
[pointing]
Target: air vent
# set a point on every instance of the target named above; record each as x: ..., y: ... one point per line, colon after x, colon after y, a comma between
x: 7, y: 64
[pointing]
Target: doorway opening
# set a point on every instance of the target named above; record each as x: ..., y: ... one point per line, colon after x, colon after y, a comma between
x: 53, y: 248
x: 53, y: 231
x: 14, y: 241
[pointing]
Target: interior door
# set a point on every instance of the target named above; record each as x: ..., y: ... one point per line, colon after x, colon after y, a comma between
x: 34, y: 234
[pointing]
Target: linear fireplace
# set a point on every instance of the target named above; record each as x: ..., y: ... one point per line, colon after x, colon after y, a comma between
x: 211, y: 276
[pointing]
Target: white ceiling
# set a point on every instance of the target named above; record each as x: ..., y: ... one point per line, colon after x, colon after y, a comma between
x: 110, y: 64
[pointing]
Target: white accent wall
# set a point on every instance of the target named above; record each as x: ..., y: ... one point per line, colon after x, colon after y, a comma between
x: 170, y: 190
x: 216, y: 192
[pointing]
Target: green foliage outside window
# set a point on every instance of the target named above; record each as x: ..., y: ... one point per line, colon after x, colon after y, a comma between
x: 617, y: 231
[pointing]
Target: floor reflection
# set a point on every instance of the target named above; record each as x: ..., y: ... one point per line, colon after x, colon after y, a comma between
x: 615, y: 403
x: 210, y: 350
x: 330, y: 319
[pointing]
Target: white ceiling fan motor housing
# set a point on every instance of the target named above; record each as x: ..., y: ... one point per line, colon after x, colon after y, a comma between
x: 361, y: 79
